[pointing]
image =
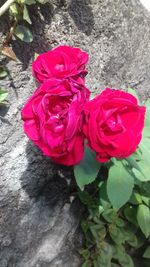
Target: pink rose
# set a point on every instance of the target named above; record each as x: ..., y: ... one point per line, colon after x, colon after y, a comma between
x: 113, y: 124
x: 53, y: 120
x: 61, y: 62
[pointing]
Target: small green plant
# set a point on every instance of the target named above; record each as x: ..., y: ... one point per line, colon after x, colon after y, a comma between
x: 3, y: 96
x: 19, y: 13
x: 19, y: 10
x: 3, y: 72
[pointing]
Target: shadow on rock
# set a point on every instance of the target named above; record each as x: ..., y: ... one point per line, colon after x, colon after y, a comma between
x: 5, y: 22
x: 43, y: 177
x: 82, y: 15
x: 3, y: 111
x: 40, y: 15
x: 51, y: 221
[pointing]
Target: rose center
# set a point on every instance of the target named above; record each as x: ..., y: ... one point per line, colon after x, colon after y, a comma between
x: 56, y: 109
x: 113, y: 125
x: 56, y: 124
x: 59, y: 67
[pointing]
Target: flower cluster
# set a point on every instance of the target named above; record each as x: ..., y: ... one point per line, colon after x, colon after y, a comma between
x: 53, y: 117
x: 60, y: 115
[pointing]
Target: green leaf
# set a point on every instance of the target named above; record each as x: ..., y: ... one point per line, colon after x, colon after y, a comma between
x: 133, y: 241
x: 146, y: 131
x: 23, y: 33
x: 126, y: 261
x: 137, y: 155
x: 144, y: 162
x: 117, y: 251
x: 3, y: 95
x: 135, y: 198
x: 86, y: 199
x: 86, y: 264
x: 29, y: 2
x: 145, y: 148
x: 131, y: 214
x: 120, y: 222
x: 98, y: 231
x: 3, y: 72
x: 116, y: 234
x: 136, y: 167
x: 138, y: 175
x: 85, y: 253
x: 123, y: 258
x: 146, y: 200
x: 109, y: 215
x: 35, y: 55
x: 101, y: 209
x: 119, y: 185
x: 140, y: 239
x: 103, y: 198
x: 146, y: 189
x: 16, y: 11
x: 86, y: 171
x: 103, y: 260
x: 26, y: 15
x: 93, y: 212
x: 130, y: 237
x: 133, y: 163
x: 42, y: 1
x: 96, y: 263
x: 84, y: 226
x: 143, y: 218
x: 147, y: 253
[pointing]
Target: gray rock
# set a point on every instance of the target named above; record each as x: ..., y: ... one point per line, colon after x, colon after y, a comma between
x: 38, y: 224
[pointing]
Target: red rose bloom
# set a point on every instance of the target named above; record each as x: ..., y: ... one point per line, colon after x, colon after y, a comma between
x: 53, y: 121
x: 113, y: 124
x: 61, y: 62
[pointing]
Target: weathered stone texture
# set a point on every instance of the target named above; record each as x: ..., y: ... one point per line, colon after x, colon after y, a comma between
x: 38, y: 224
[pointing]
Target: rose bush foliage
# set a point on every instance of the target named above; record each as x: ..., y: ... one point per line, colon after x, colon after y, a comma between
x: 71, y: 129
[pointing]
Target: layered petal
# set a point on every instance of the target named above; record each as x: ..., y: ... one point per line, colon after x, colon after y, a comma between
x: 53, y: 120
x: 113, y: 124
x: 61, y: 62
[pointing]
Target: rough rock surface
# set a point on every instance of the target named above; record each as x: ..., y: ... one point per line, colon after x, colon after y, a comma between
x: 38, y: 224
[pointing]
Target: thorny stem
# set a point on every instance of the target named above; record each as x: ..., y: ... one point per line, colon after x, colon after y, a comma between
x: 6, y: 5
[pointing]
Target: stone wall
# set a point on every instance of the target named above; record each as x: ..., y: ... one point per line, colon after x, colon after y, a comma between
x: 38, y: 220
